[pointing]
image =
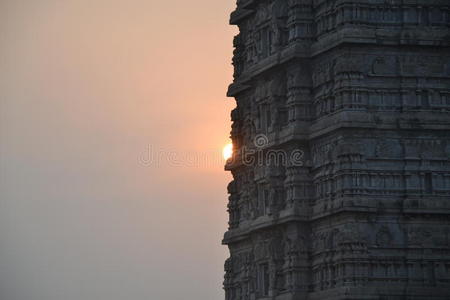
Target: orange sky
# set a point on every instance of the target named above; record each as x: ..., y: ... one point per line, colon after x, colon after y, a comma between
x: 86, y: 88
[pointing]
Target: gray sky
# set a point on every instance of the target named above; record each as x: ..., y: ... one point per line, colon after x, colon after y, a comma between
x: 87, y: 90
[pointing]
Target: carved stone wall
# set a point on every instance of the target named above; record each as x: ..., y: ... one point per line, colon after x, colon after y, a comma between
x: 341, y: 161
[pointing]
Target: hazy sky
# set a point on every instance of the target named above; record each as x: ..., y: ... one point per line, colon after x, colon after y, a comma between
x: 88, y: 88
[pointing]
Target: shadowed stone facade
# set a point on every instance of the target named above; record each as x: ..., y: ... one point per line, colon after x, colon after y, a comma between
x: 341, y: 160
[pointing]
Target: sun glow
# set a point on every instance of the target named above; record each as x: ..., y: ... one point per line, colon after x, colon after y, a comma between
x: 227, y: 151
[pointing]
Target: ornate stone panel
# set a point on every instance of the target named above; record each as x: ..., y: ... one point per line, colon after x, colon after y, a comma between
x: 341, y: 160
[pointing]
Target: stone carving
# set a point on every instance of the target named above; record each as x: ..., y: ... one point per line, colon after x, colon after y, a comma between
x: 279, y: 15
x: 420, y: 236
x: 384, y: 237
x: 388, y: 148
x: 351, y: 233
x: 384, y: 65
x: 362, y: 89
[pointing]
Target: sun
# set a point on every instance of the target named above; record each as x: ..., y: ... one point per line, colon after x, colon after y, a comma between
x: 227, y: 151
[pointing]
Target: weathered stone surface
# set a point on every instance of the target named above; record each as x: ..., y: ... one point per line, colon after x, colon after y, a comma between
x: 341, y: 160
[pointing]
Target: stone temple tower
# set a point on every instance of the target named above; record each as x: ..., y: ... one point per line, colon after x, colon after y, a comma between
x: 341, y: 159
